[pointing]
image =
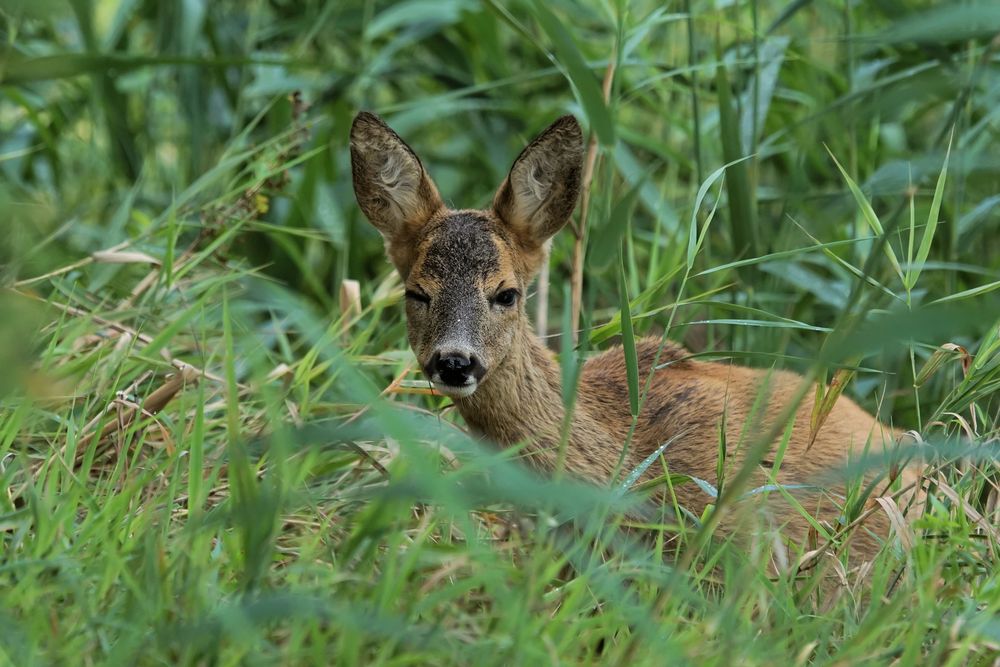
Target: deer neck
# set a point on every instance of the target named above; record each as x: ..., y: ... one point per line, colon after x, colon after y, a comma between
x: 520, y: 402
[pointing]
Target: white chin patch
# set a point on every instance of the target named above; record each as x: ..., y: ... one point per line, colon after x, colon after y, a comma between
x: 456, y: 392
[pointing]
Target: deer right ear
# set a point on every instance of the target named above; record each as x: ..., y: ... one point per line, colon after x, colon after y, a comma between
x: 538, y: 196
x: 392, y: 188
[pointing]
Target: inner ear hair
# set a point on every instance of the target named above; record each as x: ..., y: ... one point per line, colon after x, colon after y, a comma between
x: 539, y: 194
x: 390, y: 183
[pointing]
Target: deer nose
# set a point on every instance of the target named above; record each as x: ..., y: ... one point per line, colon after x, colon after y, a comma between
x: 456, y: 367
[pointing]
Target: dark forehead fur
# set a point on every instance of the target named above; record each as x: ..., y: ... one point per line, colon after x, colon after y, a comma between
x: 462, y: 245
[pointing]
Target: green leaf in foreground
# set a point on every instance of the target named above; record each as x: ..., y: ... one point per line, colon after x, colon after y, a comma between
x: 628, y: 340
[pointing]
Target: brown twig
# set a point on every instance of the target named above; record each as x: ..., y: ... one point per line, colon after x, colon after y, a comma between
x: 155, y: 402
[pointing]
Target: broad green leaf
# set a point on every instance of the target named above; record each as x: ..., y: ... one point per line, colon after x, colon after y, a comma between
x: 944, y: 23
x: 405, y: 14
x: 943, y: 354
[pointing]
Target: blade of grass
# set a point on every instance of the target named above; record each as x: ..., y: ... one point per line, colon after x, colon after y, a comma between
x: 742, y: 203
x: 628, y: 340
x: 869, y: 215
x: 924, y: 251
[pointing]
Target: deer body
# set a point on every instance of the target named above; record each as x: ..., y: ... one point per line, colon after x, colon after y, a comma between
x: 466, y: 273
x: 684, y: 408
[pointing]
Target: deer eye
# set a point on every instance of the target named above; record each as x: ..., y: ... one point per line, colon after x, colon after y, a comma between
x: 419, y: 297
x: 506, y: 298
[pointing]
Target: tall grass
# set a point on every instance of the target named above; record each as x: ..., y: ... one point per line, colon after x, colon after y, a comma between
x: 207, y: 459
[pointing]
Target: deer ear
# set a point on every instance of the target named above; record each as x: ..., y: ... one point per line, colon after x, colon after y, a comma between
x: 539, y: 194
x: 392, y: 188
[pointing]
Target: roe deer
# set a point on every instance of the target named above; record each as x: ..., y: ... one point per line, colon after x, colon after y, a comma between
x: 466, y: 273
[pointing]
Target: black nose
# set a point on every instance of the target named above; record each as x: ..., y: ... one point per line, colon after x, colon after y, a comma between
x: 456, y: 367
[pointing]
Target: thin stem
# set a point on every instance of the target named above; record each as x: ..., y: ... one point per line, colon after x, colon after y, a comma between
x: 580, y: 230
x: 542, y: 298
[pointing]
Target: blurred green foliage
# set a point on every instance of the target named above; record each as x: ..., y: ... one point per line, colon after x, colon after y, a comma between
x: 104, y: 99
x: 810, y: 183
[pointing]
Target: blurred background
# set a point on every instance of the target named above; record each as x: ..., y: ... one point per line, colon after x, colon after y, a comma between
x: 121, y: 119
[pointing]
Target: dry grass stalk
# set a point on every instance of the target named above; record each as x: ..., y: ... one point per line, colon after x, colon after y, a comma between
x: 580, y: 229
x: 542, y: 297
x: 350, y: 305
x: 119, y: 257
x: 969, y: 511
x: 71, y: 267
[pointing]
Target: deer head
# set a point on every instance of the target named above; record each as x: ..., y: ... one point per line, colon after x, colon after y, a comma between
x: 466, y: 272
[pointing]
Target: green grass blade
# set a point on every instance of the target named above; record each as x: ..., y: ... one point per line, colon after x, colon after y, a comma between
x: 742, y: 202
x: 869, y: 215
x: 628, y: 340
x: 969, y: 293
x: 932, y: 222
x: 694, y: 238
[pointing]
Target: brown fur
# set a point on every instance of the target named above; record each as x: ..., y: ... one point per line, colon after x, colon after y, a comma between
x: 461, y: 259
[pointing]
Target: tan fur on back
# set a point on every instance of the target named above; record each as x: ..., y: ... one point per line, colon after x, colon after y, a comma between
x: 685, y: 406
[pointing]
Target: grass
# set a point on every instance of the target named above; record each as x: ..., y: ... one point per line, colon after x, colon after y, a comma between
x: 209, y: 458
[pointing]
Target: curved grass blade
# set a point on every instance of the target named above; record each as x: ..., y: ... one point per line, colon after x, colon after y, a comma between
x: 869, y: 214
x: 913, y: 273
x: 694, y: 239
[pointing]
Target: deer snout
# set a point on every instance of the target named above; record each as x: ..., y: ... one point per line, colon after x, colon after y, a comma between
x: 455, y: 367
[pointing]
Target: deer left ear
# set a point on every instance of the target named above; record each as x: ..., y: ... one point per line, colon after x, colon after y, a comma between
x: 392, y: 188
x: 539, y: 194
